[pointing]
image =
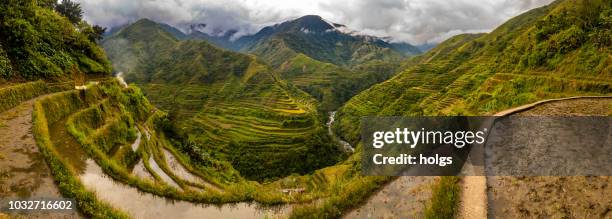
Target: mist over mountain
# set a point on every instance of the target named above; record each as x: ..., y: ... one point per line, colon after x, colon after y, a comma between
x: 312, y: 26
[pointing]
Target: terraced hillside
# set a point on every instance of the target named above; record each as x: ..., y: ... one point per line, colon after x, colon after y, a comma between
x: 330, y: 84
x: 109, y: 130
x: 558, y: 50
x: 224, y: 105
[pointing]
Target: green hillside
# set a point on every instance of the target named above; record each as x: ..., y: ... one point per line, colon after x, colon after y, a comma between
x: 330, y: 84
x: 224, y: 105
x: 558, y: 50
x: 36, y: 42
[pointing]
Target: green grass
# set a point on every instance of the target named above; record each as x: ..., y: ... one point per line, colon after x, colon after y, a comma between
x: 444, y: 199
x: 484, y: 73
x: 99, y: 120
x: 100, y: 113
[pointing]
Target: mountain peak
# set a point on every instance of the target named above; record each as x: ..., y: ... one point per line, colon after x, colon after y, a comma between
x: 145, y: 21
x: 309, y: 23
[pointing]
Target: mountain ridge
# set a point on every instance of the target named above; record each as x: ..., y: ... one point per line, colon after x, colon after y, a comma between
x: 308, y: 23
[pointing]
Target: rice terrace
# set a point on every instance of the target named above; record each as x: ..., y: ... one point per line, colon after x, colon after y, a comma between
x: 179, y: 109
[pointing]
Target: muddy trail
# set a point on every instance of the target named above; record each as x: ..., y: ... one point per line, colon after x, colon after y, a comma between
x: 23, y: 171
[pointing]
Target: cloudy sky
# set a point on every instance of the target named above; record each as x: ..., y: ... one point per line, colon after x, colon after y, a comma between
x: 413, y: 21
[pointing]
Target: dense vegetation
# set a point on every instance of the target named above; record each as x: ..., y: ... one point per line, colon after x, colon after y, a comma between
x: 36, y: 42
x: 330, y: 84
x: 324, y: 60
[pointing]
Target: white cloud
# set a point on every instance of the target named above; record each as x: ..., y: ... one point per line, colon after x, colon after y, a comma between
x: 414, y: 21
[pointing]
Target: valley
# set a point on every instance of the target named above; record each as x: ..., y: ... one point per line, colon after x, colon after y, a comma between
x: 149, y: 121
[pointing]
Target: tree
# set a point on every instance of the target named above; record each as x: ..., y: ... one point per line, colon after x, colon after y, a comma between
x: 47, y: 3
x: 94, y: 34
x: 71, y: 10
x: 98, y: 32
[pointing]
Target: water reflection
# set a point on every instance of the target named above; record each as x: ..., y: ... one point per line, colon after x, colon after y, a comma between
x: 145, y: 205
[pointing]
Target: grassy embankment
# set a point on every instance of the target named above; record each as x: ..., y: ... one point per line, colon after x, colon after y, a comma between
x: 11, y: 96
x: 49, y: 110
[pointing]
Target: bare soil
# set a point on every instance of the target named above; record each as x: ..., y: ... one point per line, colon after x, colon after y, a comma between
x: 404, y: 197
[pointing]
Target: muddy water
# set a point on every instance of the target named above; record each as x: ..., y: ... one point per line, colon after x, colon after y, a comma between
x: 404, y: 197
x: 346, y: 146
x: 66, y: 144
x: 160, y: 172
x: 141, y: 171
x: 144, y: 205
x: 183, y: 173
x: 137, y: 141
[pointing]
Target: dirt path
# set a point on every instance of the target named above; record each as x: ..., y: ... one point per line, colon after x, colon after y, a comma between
x: 474, y: 200
x: 23, y: 171
x: 404, y: 197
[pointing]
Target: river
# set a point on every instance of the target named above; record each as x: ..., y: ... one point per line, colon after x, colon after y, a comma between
x: 345, y: 145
